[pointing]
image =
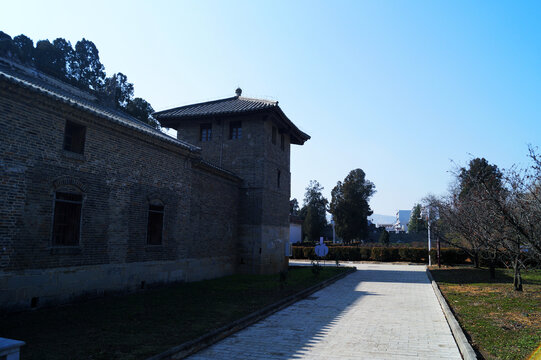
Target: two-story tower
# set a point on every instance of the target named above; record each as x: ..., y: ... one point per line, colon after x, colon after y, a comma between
x: 251, y: 138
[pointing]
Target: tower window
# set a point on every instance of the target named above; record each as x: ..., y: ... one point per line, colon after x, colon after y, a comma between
x: 235, y: 130
x: 155, y: 224
x: 282, y: 142
x: 205, y: 133
x: 274, y: 135
x: 67, y: 219
x: 74, y: 137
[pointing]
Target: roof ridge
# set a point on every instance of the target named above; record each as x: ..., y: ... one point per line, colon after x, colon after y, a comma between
x: 50, y: 83
x: 191, y: 106
x: 100, y: 110
x: 272, y: 102
x: 50, y: 79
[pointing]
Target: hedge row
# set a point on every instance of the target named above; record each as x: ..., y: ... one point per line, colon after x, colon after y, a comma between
x: 449, y: 256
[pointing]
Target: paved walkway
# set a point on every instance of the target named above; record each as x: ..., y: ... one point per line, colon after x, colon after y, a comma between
x: 379, y: 312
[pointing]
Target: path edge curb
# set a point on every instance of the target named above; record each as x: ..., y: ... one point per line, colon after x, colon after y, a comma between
x: 466, y: 350
x: 190, y: 347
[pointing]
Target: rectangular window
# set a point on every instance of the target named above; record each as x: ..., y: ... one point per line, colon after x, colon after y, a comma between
x: 67, y: 219
x: 278, y: 179
x: 235, y: 130
x: 282, y: 142
x: 74, y: 137
x: 274, y: 135
x: 205, y: 133
x: 155, y: 225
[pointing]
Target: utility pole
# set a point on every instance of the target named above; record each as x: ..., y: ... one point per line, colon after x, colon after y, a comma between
x: 333, y: 232
x: 429, y: 246
x: 438, y: 245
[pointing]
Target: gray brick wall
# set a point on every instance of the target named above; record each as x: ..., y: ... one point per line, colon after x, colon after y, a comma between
x: 263, y: 205
x: 120, y: 171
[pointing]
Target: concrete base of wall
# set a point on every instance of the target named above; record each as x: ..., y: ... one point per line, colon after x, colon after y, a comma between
x: 25, y: 289
x: 262, y: 249
x: 273, y: 239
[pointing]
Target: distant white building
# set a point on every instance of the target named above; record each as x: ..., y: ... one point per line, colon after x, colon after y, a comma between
x: 402, y: 220
x: 295, y: 229
x: 388, y: 227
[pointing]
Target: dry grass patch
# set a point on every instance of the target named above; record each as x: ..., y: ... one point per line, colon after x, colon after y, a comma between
x: 501, y: 323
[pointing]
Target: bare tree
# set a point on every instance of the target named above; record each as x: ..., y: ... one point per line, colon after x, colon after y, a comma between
x: 495, y: 215
x: 520, y: 209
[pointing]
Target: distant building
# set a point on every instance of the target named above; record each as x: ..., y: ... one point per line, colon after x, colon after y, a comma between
x: 295, y: 229
x: 402, y: 220
x: 388, y: 227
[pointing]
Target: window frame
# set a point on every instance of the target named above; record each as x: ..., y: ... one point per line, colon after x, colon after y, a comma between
x: 68, y: 145
x: 207, y: 127
x: 148, y: 228
x: 235, y: 130
x: 77, y: 243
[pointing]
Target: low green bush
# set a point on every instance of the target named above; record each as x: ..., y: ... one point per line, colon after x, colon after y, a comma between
x: 365, y: 253
x: 449, y: 256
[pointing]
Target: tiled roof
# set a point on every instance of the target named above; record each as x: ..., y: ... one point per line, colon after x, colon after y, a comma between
x: 232, y: 105
x: 229, y: 106
x: 47, y: 85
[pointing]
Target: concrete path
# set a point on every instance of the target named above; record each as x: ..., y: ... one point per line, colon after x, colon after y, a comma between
x: 379, y: 312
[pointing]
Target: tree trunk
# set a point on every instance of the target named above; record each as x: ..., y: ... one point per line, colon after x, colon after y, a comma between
x: 476, y: 260
x: 492, y: 270
x: 492, y: 266
x: 517, y: 279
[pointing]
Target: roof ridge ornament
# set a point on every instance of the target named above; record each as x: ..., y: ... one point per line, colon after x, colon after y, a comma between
x: 238, y: 92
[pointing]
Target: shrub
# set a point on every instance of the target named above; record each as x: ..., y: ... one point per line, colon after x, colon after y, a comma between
x: 344, y: 253
x: 405, y: 254
x: 449, y: 256
x: 297, y: 252
x: 393, y: 254
x: 380, y: 254
x: 309, y: 253
x: 365, y: 253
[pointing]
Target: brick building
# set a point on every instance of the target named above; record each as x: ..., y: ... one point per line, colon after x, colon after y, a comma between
x: 94, y: 201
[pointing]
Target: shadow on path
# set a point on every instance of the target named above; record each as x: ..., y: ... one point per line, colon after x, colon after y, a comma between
x: 309, y: 326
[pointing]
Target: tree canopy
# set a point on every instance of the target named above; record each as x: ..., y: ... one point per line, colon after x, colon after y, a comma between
x: 384, y: 238
x: 349, y: 205
x: 294, y: 207
x: 314, y: 211
x: 478, y: 175
x: 416, y: 223
x: 79, y: 66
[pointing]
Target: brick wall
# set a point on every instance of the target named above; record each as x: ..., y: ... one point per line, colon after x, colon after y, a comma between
x: 264, y: 207
x: 120, y: 171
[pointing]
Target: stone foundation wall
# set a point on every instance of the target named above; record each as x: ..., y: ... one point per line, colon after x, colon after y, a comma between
x: 41, y: 287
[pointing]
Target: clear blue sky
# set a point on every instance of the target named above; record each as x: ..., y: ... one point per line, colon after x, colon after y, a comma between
x: 396, y: 88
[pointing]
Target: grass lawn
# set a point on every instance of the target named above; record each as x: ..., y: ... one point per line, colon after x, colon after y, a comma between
x: 139, y: 325
x: 502, y: 323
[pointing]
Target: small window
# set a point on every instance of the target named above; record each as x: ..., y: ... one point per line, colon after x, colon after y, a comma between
x: 278, y: 173
x: 67, y: 219
x: 274, y: 135
x: 74, y: 137
x: 235, y: 130
x: 282, y: 142
x: 155, y: 225
x: 205, y: 133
